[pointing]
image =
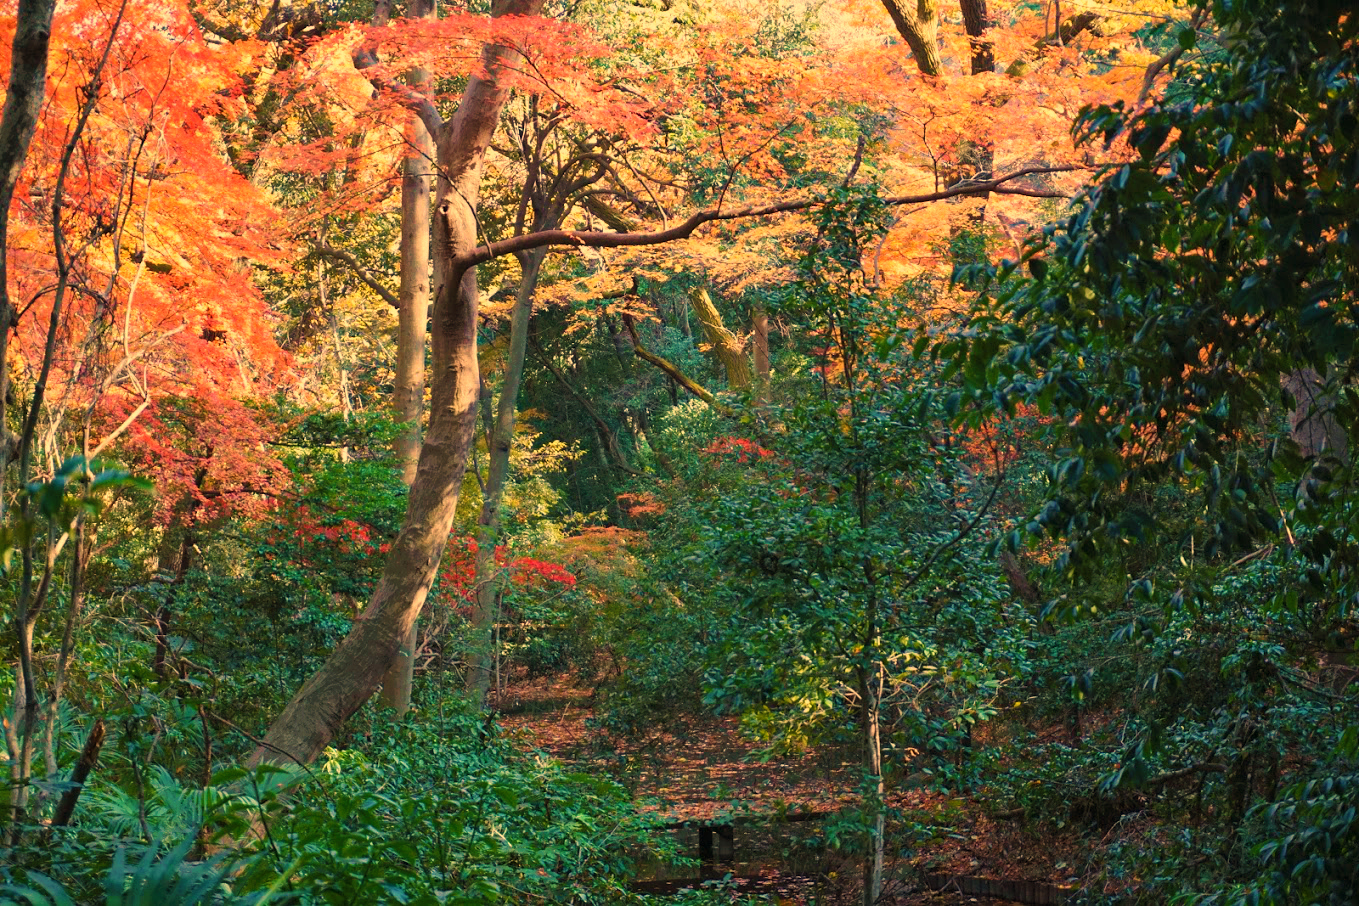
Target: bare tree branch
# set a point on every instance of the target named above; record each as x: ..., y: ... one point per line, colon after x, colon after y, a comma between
x: 1169, y: 59
x: 683, y: 230
x: 419, y: 104
x: 1206, y: 768
x: 670, y: 368
x: 329, y: 251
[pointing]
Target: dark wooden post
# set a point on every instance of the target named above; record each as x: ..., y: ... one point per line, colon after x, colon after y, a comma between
x: 726, y: 843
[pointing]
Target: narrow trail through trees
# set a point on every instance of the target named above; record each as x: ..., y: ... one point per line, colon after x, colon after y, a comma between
x: 699, y: 772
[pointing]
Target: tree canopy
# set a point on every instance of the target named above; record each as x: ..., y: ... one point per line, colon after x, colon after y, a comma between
x: 440, y: 443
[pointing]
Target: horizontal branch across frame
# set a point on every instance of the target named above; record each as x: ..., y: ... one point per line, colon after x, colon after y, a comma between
x: 686, y: 228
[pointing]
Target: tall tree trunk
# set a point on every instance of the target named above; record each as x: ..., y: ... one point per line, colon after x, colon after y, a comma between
x: 501, y: 441
x: 353, y: 672
x: 728, y: 348
x: 412, y: 322
x: 172, y: 565
x: 917, y: 22
x: 980, y: 156
x: 1312, y: 422
x: 871, y: 729
x: 976, y: 21
x: 24, y: 94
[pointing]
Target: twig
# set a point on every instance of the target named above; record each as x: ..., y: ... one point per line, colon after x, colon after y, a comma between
x: 1170, y: 58
x: 329, y: 251
x: 1210, y: 767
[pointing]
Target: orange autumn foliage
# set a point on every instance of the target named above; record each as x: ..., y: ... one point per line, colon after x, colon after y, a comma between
x: 126, y: 191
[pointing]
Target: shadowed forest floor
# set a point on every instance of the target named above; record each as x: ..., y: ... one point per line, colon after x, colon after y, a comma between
x: 699, y: 768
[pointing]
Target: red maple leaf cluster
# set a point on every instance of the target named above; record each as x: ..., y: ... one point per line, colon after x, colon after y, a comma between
x: 744, y: 450
x: 458, y: 574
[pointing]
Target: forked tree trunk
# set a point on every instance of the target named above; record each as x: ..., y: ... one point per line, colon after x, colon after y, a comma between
x: 354, y: 671
x: 412, y: 317
x: 917, y: 22
x: 482, y: 654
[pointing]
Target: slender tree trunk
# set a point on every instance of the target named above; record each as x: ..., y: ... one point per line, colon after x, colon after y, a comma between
x: 872, y: 762
x: 354, y: 671
x: 760, y: 327
x: 24, y: 94
x: 502, y: 439
x: 412, y: 323
x: 917, y: 22
x: 413, y: 313
x: 869, y: 676
x: 976, y: 20
x: 21, y: 759
x: 684, y: 322
x: 327, y: 305
x: 89, y: 757
x: 173, y: 562
x: 80, y: 561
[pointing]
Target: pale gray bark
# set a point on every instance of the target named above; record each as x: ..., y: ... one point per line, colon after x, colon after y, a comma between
x: 412, y: 322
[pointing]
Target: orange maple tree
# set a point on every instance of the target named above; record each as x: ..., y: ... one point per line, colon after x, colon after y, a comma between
x: 130, y: 251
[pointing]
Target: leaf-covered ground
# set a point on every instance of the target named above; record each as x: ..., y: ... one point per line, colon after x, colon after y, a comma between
x: 700, y: 768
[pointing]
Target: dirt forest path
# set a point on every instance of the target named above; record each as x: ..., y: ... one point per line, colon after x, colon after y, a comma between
x: 700, y: 768
x: 695, y: 768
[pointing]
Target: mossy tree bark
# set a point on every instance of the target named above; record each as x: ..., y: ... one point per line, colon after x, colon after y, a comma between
x: 917, y: 21
x: 728, y: 348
